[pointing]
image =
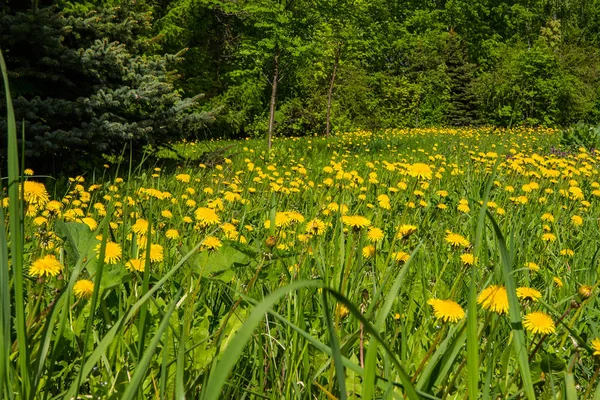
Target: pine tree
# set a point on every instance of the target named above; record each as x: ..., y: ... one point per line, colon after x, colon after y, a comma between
x: 462, y: 106
x: 86, y: 83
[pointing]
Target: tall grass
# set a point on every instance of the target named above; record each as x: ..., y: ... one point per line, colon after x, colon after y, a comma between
x: 277, y: 309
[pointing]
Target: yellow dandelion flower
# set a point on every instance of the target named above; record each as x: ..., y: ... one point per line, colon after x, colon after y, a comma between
x: 494, y: 298
x: 368, y: 251
x: 406, y: 231
x: 548, y: 237
x: 90, y: 222
x: 211, y: 243
x: 596, y: 346
x: 206, y: 217
x: 315, y: 227
x: 356, y: 221
x: 167, y: 214
x: 420, y: 171
x: 532, y: 266
x: 184, y: 178
x: 585, y: 291
x: 112, y: 254
x: 539, y: 322
x: 527, y: 293
x: 35, y: 193
x: 83, y: 288
x: 468, y: 259
x: 558, y: 282
x: 576, y: 220
x: 401, y: 256
x: 375, y: 235
x: 46, y: 266
x: 136, y: 264
x: 447, y: 310
x: 172, y: 234
x: 456, y: 240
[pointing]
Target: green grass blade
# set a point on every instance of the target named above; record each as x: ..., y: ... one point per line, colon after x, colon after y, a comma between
x: 5, y: 311
x: 16, y: 238
x: 144, y: 362
x: 371, y: 356
x: 335, y: 348
x: 230, y: 356
x: 102, y: 347
x: 514, y: 313
x: 570, y: 390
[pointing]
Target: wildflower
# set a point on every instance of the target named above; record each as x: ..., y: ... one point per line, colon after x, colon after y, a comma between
x: 136, y: 264
x: 342, y: 310
x: 468, y: 259
x: 315, y: 227
x: 206, y: 217
x: 140, y: 227
x: 112, y: 254
x: 548, y: 217
x: 406, y: 230
x: 28, y: 171
x: 156, y: 253
x: 494, y: 298
x: 532, y: 266
x: 35, y: 193
x: 401, y: 256
x: 167, y: 214
x: 48, y: 266
x: 420, y: 171
x: 211, y: 243
x: 596, y: 346
x: 184, y: 178
x: 90, y: 222
x: 447, y: 310
x: 557, y: 281
x: 585, y: 291
x: 368, y: 251
x: 83, y: 288
x: 548, y: 237
x: 355, y: 221
x: 576, y: 220
x: 527, y: 293
x: 172, y: 234
x: 375, y: 235
x: 539, y: 322
x: 456, y: 240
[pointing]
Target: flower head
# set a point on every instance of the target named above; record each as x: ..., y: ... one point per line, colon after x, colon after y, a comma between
x: 356, y: 221
x: 527, y: 293
x: 35, y: 193
x: 83, y: 288
x: 206, y: 217
x: 211, y: 243
x: 596, y: 346
x: 48, y: 265
x: 494, y: 298
x: 375, y: 235
x: 539, y: 322
x: 447, y: 310
x: 112, y: 254
x: 456, y: 240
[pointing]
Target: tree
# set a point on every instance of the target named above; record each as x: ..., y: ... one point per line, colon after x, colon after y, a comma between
x: 85, y: 87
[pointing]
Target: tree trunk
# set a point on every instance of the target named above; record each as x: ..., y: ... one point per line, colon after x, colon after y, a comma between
x: 273, y: 98
x: 330, y: 93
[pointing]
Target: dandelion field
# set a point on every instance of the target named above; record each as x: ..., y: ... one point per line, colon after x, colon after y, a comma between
x: 429, y: 263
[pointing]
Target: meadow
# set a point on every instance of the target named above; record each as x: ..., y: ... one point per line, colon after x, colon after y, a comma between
x: 423, y: 263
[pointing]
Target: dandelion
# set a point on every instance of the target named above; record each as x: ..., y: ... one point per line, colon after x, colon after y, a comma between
x: 83, y: 288
x: 342, y: 310
x: 211, y: 243
x: 90, y: 222
x: 548, y: 237
x: 172, y: 234
x: 468, y: 259
x: 315, y: 227
x: 576, y: 220
x: 447, y: 310
x: 585, y: 291
x: 46, y: 266
x: 368, y: 251
x: 558, y: 282
x: 136, y: 264
x: 532, y: 266
x: 596, y: 346
x: 375, y: 235
x: 401, y: 256
x: 156, y: 253
x: 527, y: 293
x: 184, y: 178
x: 420, y: 171
x: 355, y: 221
x: 406, y: 230
x: 456, y: 240
x: 35, y: 193
x: 112, y: 254
x: 494, y: 298
x: 539, y: 322
x: 206, y: 217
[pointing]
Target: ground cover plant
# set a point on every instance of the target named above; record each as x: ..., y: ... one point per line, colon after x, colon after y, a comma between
x: 429, y: 263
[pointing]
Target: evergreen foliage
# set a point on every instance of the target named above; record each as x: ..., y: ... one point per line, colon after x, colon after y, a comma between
x: 86, y: 83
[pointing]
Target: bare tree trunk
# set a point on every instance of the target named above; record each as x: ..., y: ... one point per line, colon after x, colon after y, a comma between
x: 273, y: 98
x: 330, y: 93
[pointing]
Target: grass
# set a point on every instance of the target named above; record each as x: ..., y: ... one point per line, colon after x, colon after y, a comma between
x: 237, y: 273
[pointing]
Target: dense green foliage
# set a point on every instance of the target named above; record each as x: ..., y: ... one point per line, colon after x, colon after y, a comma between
x: 94, y: 75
